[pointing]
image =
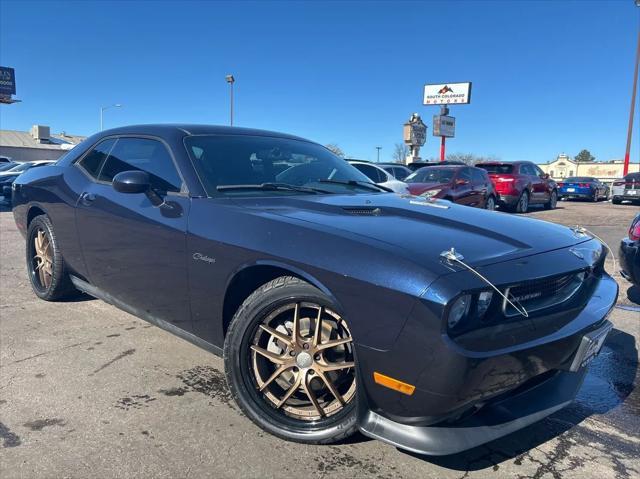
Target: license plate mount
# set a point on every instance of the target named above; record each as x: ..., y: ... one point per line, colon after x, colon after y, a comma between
x: 590, y: 346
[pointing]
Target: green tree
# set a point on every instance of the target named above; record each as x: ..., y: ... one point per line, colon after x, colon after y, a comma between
x: 585, y: 155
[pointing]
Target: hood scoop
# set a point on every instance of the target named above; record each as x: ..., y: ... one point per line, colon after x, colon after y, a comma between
x: 363, y: 210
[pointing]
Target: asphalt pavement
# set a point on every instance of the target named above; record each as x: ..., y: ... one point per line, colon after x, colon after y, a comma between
x: 88, y: 391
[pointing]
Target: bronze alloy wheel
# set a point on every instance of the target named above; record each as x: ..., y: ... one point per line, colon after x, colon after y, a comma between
x: 43, y: 258
x: 302, y: 361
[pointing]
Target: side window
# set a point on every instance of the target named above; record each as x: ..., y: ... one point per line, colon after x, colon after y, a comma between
x: 477, y: 176
x: 144, y: 155
x: 539, y: 171
x: 464, y: 174
x: 400, y: 173
x: 371, y: 172
x: 93, y: 161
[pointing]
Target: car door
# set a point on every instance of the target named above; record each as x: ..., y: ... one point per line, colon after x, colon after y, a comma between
x: 133, y: 250
x: 463, y: 192
x: 538, y: 193
x: 480, y: 183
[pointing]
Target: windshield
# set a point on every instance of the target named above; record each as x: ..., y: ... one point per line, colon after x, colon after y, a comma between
x: 20, y: 167
x: 431, y: 174
x: 497, y: 169
x: 225, y: 161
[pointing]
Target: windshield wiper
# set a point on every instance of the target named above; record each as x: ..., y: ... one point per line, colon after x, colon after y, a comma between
x: 272, y: 187
x: 362, y: 184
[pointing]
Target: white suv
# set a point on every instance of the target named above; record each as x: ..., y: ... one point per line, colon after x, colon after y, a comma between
x: 379, y: 176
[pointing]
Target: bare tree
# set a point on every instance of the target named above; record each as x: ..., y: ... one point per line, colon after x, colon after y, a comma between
x: 335, y: 149
x: 400, y: 152
x: 470, y: 158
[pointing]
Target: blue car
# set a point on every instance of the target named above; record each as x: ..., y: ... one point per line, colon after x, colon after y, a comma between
x: 583, y: 187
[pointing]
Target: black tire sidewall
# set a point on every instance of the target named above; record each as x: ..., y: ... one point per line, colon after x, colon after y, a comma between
x: 236, y: 349
x: 518, y: 208
x: 59, y: 281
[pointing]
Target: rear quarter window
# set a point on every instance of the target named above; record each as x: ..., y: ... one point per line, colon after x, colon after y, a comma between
x: 92, y: 162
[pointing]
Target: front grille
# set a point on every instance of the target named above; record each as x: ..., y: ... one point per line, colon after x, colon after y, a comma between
x: 543, y: 293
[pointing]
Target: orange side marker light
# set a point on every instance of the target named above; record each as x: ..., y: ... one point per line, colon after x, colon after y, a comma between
x: 394, y: 384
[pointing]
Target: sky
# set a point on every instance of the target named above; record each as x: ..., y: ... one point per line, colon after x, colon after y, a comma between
x: 548, y: 77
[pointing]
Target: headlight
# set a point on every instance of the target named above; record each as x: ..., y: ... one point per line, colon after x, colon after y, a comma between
x: 430, y: 193
x: 484, y: 301
x: 459, y: 310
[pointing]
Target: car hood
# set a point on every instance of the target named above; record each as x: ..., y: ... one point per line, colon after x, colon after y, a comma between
x: 419, y: 229
x: 426, y: 186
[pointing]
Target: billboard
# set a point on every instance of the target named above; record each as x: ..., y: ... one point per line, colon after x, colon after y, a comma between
x: 447, y: 93
x: 7, y: 81
x: 444, y: 126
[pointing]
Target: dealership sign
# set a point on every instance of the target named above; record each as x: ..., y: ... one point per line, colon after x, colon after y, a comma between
x: 447, y: 93
x: 444, y: 126
x: 7, y: 81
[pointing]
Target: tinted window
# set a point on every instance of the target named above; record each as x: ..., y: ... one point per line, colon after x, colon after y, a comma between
x: 131, y: 154
x: 371, y: 171
x: 465, y: 174
x: 497, y: 169
x: 401, y: 173
x: 539, y: 171
x: 526, y: 169
x: 632, y: 177
x: 92, y: 162
x: 249, y: 160
x: 478, y: 175
x: 431, y: 174
x: 579, y: 179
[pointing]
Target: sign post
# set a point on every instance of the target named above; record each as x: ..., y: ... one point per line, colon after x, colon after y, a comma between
x: 7, y: 85
x: 444, y: 94
x: 415, y: 135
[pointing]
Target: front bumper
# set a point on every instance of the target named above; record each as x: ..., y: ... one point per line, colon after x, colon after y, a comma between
x: 467, y: 397
x: 630, y: 260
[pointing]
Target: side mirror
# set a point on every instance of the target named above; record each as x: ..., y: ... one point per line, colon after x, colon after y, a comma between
x: 132, y: 182
x: 545, y: 176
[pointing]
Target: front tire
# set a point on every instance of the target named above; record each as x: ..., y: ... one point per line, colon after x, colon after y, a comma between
x: 290, y: 365
x: 45, y: 264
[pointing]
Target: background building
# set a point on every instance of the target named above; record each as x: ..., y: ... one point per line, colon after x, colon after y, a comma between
x: 607, y: 171
x: 37, y: 144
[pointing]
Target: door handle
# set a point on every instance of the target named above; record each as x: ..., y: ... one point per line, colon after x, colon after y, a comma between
x: 87, y: 198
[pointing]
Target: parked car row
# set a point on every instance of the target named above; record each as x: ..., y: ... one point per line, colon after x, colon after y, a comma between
x: 9, y: 175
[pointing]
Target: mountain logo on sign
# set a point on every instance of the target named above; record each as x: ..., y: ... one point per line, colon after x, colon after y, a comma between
x: 445, y: 89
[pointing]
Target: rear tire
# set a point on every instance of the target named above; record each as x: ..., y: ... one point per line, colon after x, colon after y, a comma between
x: 616, y: 201
x: 522, y: 206
x: 490, y: 203
x: 45, y: 264
x: 307, y: 401
x: 553, y: 201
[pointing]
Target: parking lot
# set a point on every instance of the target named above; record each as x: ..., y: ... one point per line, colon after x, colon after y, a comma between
x: 87, y: 390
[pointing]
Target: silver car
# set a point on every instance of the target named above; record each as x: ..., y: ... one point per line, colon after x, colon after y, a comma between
x: 627, y: 188
x: 380, y: 176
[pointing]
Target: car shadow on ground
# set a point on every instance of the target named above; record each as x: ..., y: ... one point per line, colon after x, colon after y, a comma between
x: 607, y: 386
x: 633, y: 293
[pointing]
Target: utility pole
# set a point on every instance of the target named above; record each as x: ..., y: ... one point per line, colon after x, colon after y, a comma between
x: 102, y: 109
x: 378, y: 148
x: 230, y: 81
x: 632, y: 109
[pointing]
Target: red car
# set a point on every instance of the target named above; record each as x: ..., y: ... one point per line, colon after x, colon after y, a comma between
x: 465, y: 185
x: 520, y: 184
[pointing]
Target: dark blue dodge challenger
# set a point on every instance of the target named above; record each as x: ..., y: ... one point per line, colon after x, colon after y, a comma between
x: 336, y: 304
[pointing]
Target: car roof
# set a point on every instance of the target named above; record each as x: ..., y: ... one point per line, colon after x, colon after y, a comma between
x: 517, y: 162
x: 195, y: 129
x: 364, y: 162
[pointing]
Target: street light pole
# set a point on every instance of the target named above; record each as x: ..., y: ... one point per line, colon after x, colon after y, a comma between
x: 102, y: 109
x: 633, y: 104
x: 230, y: 80
x: 378, y: 148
